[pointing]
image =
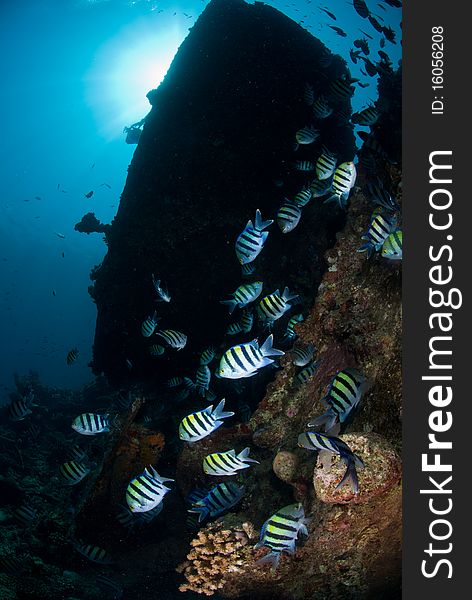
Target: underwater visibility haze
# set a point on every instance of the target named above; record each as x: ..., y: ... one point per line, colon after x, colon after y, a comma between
x: 201, y: 248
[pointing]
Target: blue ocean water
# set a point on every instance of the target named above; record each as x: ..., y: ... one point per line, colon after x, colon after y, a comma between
x: 74, y: 74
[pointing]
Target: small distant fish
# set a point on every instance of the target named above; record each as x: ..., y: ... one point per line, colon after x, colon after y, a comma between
x: 325, y: 165
x: 321, y: 442
x: 341, y: 88
x: 338, y: 30
x: 382, y: 42
x: 343, y: 181
x: 21, y: 408
x: 389, y: 34
x: 375, y: 24
x: 109, y: 586
x: 321, y: 108
x: 363, y: 85
x: 73, y: 472
x: 302, y: 198
x: 162, y: 295
x: 361, y: 8
x: 72, y: 355
x: 149, y: 325
x: 129, y: 364
x: 363, y: 44
x: 304, y: 165
x: 247, y: 321
x: 175, y: 339
x: 156, y: 350
x: 308, y: 94
x: 245, y: 360
x: 379, y: 229
x: 93, y: 553
x: 367, y: 117
x: 202, y: 379
x: 89, y: 194
x: 394, y: 3
x: 91, y: 424
x: 354, y: 55
x: 25, y: 515
x: 245, y: 294
x: 290, y: 333
x: 280, y: 533
x: 251, y: 241
x: 330, y: 14
x: 248, y: 269
x: 54, y: 292
x: 61, y: 235
x: 366, y: 34
x: 218, y: 500
x: 146, y: 491
x: 344, y: 394
x: 207, y: 356
x: 288, y: 217
x: 307, y: 135
x: 105, y: 185
x: 272, y: 307
x: 234, y: 328
x: 320, y: 187
x: 77, y: 453
x: 370, y: 68
x: 302, y: 355
x: 227, y: 463
x: 198, y: 425
x: 393, y: 246
x: 174, y: 382
x: 306, y: 373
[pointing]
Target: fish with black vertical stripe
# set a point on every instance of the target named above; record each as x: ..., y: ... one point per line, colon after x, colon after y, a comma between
x: 146, y: 491
x: 218, y: 500
x: 245, y: 360
x: 227, y: 463
x: 91, y: 424
x: 251, y: 241
x: 199, y: 424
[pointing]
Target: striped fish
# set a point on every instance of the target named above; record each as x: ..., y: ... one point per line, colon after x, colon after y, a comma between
x: 198, y: 425
x: 248, y: 269
x: 304, y: 165
x: 251, y: 241
x: 146, y: 491
x: 73, y: 472
x: 367, y: 117
x: 274, y: 306
x: 302, y: 355
x: 288, y: 217
x: 234, y: 328
x: 246, y: 359
x: 202, y: 379
x: 280, y: 533
x: 380, y: 196
x: 325, y: 165
x: 174, y: 339
x: 19, y: 409
x: 308, y: 94
x: 174, y: 382
x: 247, y: 321
x: 320, y: 442
x: 77, y: 453
x: 393, y: 246
x: 344, y: 394
x: 207, y: 356
x: 93, y: 553
x: 290, y: 333
x: 218, y: 500
x: 188, y: 383
x: 361, y: 8
x: 321, y: 187
x: 25, y: 515
x: 306, y: 373
x: 379, y: 229
x: 227, y: 463
x: 91, y: 424
x: 244, y: 295
x: 302, y: 198
x: 156, y: 350
x: 343, y: 181
x: 149, y: 325
x: 321, y: 108
x: 341, y: 88
x: 307, y: 135
x: 72, y: 356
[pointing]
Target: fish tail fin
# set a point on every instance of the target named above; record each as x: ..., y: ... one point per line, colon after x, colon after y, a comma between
x: 327, y: 419
x: 259, y: 224
x: 268, y: 350
x: 286, y: 295
x: 219, y: 413
x: 350, y: 476
x: 244, y: 456
x: 332, y: 198
x: 272, y: 558
x: 231, y: 304
x: 367, y: 248
x: 201, y: 510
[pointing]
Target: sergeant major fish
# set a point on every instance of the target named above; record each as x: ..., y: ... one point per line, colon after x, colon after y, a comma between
x: 202, y: 379
x: 198, y: 425
x: 72, y: 356
x: 174, y: 339
x: 218, y: 500
x: 274, y: 306
x: 307, y: 372
x: 307, y: 135
x: 245, y: 294
x: 302, y: 355
x: 379, y: 229
x: 149, y: 325
x: 280, y: 533
x: 325, y: 165
x: 91, y: 424
x: 251, y: 241
x: 343, y: 181
x: 227, y: 463
x: 393, y: 246
x: 73, y: 472
x: 146, y: 491
x: 245, y: 360
x: 19, y: 409
x: 288, y: 217
x: 312, y: 440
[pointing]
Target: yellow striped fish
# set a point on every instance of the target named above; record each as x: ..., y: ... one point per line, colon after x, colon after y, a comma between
x: 227, y: 463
